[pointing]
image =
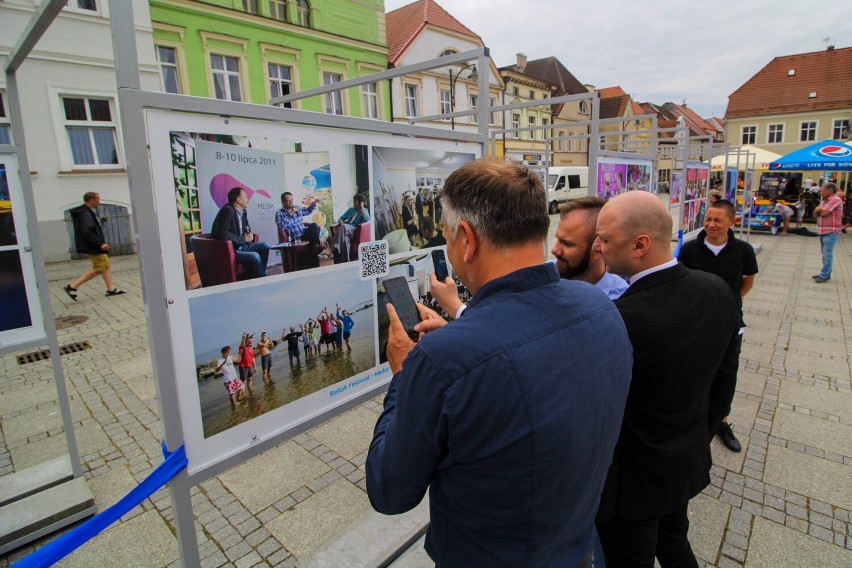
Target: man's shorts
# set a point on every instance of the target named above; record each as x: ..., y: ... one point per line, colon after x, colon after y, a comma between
x: 246, y: 373
x: 266, y: 361
x: 346, y: 335
x: 324, y: 339
x: 100, y: 262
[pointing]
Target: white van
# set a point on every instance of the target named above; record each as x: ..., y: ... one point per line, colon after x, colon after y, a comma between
x: 564, y: 183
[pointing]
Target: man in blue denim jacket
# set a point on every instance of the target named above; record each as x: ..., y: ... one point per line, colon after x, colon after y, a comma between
x: 508, y: 415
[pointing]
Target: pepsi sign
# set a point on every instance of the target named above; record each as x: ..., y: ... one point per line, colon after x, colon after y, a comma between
x: 835, y: 151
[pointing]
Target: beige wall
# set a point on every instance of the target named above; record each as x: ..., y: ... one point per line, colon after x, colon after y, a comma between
x: 791, y: 129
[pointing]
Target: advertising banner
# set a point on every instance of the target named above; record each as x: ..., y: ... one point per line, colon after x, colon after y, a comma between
x: 617, y: 175
x: 257, y: 356
x: 21, y: 319
x: 731, y: 178
x: 677, y: 185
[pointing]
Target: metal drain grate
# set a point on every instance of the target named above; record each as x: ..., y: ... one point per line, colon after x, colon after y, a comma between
x: 44, y: 354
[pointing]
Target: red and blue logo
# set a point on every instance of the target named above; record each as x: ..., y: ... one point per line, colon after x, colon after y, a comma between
x: 835, y: 151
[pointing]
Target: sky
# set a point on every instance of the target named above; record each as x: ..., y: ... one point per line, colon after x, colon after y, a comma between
x: 656, y: 50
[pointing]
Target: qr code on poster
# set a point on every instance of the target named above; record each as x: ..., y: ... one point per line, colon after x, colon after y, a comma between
x: 374, y: 259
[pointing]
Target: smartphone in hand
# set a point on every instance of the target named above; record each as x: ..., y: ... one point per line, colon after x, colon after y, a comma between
x: 403, y: 302
x: 439, y: 261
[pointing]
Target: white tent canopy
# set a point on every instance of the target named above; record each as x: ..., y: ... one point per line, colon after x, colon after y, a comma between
x: 764, y: 158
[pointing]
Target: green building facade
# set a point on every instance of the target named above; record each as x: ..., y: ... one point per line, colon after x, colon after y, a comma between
x: 254, y: 50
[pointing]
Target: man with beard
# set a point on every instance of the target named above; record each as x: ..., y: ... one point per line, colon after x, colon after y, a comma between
x: 575, y: 258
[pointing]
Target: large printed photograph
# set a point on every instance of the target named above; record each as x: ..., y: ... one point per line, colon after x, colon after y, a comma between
x: 617, y: 175
x: 250, y: 208
x: 695, y: 200
x: 257, y: 349
x: 14, y: 304
x: 407, y: 187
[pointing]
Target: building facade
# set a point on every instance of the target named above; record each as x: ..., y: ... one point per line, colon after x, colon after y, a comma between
x: 527, y: 147
x: 423, y: 31
x: 793, y: 102
x: 253, y: 51
x: 70, y: 112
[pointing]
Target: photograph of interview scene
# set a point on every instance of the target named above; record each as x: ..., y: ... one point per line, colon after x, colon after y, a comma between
x: 250, y: 207
x: 416, y: 272
x: 407, y: 187
x: 695, y: 200
x: 259, y: 348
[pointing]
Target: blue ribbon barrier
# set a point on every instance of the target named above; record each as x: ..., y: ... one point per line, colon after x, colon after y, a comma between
x: 55, y: 551
x: 679, y: 243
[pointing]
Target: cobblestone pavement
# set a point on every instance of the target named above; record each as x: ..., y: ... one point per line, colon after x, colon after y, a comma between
x: 785, y: 500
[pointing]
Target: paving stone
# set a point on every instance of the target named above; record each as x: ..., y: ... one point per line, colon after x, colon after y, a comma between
x: 813, y: 431
x: 707, y: 519
x: 823, y: 479
x: 773, y: 545
x: 320, y: 517
x: 829, y: 401
x: 349, y: 434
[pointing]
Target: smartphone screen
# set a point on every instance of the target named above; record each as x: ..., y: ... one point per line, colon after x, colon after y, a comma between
x: 400, y: 296
x: 439, y: 260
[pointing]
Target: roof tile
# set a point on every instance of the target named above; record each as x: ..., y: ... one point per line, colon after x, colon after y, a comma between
x: 404, y: 23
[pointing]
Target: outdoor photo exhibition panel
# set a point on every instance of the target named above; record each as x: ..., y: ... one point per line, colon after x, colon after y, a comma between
x: 617, y: 175
x: 304, y: 298
x: 694, y: 196
x: 21, y: 321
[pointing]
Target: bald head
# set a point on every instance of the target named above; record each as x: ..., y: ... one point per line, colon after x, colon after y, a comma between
x: 634, y: 233
x: 640, y: 212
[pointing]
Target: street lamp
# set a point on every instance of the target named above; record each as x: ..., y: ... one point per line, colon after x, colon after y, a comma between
x: 453, y: 79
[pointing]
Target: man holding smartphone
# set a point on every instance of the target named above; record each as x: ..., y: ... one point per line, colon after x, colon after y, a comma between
x: 512, y: 442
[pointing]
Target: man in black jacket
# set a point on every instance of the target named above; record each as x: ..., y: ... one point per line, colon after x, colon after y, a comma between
x: 89, y: 239
x: 231, y: 224
x: 717, y: 251
x: 683, y: 325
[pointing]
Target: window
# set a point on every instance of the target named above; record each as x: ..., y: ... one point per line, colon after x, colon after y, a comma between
x: 5, y: 127
x: 448, y: 52
x: 840, y: 129
x: 91, y: 131
x: 531, y: 123
x: 410, y: 100
x: 334, y: 100
x: 370, y: 100
x: 748, y: 134
x: 446, y: 103
x: 560, y: 144
x: 278, y: 10
x: 545, y: 95
x: 167, y: 58
x: 775, y: 134
x: 532, y: 95
x: 603, y: 142
x: 303, y: 13
x: 250, y: 6
x: 83, y: 5
x: 516, y: 123
x: 583, y: 108
x: 280, y: 82
x: 186, y: 185
x: 516, y: 91
x: 473, y: 100
x: 493, y: 116
x: 226, y: 77
x: 808, y: 131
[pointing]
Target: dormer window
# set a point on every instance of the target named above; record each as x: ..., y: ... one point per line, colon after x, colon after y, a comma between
x: 447, y: 52
x: 791, y: 73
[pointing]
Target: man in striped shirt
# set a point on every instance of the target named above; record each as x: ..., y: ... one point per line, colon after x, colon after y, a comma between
x: 829, y: 216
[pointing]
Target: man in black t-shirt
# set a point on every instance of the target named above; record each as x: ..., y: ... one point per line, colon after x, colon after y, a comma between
x: 717, y: 251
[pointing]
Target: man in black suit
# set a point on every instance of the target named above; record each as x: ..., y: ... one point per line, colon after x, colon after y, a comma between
x: 231, y: 224
x: 683, y: 326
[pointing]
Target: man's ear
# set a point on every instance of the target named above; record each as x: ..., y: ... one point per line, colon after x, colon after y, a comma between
x: 641, y: 245
x: 469, y: 240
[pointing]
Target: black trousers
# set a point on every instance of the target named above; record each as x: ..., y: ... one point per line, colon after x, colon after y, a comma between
x: 633, y: 544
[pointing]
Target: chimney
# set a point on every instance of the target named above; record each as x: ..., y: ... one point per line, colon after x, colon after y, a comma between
x: 522, y: 62
x: 830, y: 48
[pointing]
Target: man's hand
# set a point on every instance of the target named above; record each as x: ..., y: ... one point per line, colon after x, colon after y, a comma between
x: 445, y: 293
x: 104, y: 246
x: 399, y: 344
x: 431, y: 320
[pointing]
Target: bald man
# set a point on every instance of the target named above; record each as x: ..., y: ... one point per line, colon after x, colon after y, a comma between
x: 683, y: 325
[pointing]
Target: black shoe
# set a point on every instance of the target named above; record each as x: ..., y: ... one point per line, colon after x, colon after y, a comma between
x: 728, y: 437
x: 818, y: 277
x: 820, y: 280
x: 72, y: 292
x: 115, y: 292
